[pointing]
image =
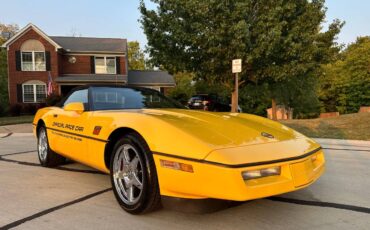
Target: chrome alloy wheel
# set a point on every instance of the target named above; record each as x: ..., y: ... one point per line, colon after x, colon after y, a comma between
x: 128, y: 174
x: 42, y: 145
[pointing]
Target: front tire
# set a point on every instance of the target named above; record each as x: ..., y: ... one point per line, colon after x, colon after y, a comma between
x: 47, y: 157
x: 133, y: 175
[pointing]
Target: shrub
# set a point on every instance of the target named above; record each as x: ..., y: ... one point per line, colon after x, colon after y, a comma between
x: 15, y: 110
x: 40, y: 106
x: 29, y: 109
x: 3, y: 110
x: 53, y: 99
x: 180, y: 97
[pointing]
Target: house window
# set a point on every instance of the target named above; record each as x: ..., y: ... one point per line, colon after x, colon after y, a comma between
x: 105, y: 65
x: 33, y: 61
x: 33, y: 56
x: 34, y: 92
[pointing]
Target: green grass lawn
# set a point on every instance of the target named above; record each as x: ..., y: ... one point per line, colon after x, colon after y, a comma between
x: 350, y: 126
x: 16, y: 120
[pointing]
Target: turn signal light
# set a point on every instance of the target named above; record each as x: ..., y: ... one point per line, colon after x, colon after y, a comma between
x: 177, y: 166
x: 255, y: 174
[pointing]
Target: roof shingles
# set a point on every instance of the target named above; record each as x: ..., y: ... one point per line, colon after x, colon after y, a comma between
x: 150, y: 77
x: 85, y: 44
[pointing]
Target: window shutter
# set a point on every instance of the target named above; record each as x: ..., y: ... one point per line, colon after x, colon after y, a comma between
x: 118, y: 65
x: 19, y: 93
x: 92, y: 64
x: 47, y: 57
x: 18, y: 63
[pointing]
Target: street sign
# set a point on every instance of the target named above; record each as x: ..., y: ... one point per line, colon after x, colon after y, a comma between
x: 237, y: 66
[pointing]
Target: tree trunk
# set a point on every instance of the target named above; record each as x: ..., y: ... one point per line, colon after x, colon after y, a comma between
x: 274, y: 115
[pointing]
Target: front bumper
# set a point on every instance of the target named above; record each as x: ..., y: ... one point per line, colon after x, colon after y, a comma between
x: 220, y: 182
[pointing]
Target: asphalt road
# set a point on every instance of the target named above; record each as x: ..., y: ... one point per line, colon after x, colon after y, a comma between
x: 76, y: 197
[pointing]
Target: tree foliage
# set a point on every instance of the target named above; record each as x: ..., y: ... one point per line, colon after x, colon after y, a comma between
x: 184, y: 88
x: 12, y: 28
x: 136, y: 57
x: 345, y: 83
x: 280, y: 42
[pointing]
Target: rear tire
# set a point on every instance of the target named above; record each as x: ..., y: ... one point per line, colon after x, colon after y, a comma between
x: 47, y: 157
x: 133, y: 175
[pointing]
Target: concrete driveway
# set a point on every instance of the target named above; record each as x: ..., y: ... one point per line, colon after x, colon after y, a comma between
x: 76, y: 197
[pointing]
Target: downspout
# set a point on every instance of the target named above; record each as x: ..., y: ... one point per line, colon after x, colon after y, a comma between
x: 126, y: 62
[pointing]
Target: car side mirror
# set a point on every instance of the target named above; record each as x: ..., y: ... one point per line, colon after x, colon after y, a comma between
x: 78, y: 107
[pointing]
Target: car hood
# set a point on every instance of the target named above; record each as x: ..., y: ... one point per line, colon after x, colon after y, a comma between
x: 223, y: 130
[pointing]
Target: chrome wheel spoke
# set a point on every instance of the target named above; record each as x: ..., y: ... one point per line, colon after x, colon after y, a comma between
x: 119, y: 175
x: 137, y: 182
x: 130, y: 193
x: 134, y: 162
x: 126, y: 156
x: 127, y: 181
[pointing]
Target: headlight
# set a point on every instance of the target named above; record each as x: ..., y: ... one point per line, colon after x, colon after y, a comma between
x: 254, y: 174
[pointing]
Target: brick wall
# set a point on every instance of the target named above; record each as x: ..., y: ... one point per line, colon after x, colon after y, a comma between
x: 123, y: 65
x: 166, y: 90
x: 18, y: 77
x: 82, y: 64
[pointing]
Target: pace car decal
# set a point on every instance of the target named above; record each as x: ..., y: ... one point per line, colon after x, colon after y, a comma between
x: 68, y: 126
x: 67, y: 136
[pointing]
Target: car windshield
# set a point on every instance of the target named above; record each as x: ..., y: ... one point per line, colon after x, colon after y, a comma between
x: 104, y: 98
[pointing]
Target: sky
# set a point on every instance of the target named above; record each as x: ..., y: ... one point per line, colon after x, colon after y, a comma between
x: 119, y: 18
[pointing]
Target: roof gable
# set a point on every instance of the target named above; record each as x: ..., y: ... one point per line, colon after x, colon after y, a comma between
x: 25, y: 30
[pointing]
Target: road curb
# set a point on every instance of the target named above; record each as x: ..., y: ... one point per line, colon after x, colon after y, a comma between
x: 328, y: 141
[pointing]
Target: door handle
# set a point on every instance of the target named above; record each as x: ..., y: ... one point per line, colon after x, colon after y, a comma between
x: 55, y: 115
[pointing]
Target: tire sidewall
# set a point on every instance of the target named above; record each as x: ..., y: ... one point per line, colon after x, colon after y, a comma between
x: 144, y: 159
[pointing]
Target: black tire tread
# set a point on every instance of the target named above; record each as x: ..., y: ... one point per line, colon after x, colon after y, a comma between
x: 155, y: 202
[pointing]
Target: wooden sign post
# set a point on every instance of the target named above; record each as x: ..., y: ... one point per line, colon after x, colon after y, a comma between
x: 236, y: 68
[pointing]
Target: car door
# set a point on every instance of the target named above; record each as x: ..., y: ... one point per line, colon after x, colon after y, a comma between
x: 69, y: 129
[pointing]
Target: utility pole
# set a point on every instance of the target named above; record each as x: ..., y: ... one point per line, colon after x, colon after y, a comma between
x: 236, y: 68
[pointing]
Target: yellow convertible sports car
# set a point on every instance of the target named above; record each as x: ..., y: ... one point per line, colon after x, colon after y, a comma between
x: 151, y: 146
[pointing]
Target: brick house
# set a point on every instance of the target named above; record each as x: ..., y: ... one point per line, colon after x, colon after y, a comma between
x: 33, y: 56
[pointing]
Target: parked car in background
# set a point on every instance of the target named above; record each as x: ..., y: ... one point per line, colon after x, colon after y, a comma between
x: 210, y: 102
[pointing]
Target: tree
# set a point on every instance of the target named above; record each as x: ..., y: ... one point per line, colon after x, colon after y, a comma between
x: 3, y: 81
x: 136, y: 57
x: 184, y: 88
x: 345, y: 83
x: 12, y: 28
x: 278, y: 40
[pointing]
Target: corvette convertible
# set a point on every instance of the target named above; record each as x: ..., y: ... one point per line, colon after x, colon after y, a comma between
x: 151, y: 146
